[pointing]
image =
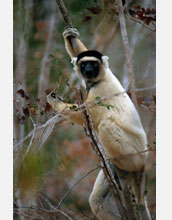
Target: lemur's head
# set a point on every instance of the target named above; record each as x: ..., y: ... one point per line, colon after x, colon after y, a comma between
x: 91, y: 65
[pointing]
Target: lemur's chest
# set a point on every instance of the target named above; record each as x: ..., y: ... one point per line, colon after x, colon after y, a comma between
x: 90, y: 85
x: 106, y: 100
x: 98, y: 106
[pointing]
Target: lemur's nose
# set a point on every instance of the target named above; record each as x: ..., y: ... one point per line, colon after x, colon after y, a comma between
x: 53, y: 95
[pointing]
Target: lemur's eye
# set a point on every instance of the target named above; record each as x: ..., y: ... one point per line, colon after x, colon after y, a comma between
x: 53, y: 95
x: 95, y: 64
x: 82, y: 65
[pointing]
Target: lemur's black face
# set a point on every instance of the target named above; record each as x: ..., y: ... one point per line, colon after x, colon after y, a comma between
x: 89, y: 69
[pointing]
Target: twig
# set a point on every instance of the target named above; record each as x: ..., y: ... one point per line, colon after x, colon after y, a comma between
x: 140, y: 22
x: 150, y: 109
x: 33, y: 208
x: 23, y: 139
x: 127, y: 51
x: 145, y: 89
x: 131, y: 154
x: 66, y: 215
x: 97, y: 147
x: 28, y: 215
x: 54, y: 208
x: 73, y: 186
x: 64, y: 13
x: 52, y: 120
x: 47, y: 201
x: 32, y: 138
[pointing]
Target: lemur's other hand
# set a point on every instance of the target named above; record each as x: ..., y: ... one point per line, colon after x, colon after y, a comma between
x: 70, y: 32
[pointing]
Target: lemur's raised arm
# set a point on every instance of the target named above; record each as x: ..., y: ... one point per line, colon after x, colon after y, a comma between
x: 73, y: 45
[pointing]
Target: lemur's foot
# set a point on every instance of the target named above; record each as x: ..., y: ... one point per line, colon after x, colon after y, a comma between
x: 71, y: 32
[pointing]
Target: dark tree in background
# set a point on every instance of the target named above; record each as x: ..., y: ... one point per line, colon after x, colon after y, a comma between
x: 54, y: 166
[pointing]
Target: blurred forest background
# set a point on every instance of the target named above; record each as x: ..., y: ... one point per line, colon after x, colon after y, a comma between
x: 51, y: 155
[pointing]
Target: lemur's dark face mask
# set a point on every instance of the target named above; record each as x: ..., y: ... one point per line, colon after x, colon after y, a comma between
x: 89, y: 69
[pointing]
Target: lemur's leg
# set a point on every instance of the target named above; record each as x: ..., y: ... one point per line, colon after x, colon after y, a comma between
x: 102, y: 202
x: 73, y: 45
x: 68, y: 111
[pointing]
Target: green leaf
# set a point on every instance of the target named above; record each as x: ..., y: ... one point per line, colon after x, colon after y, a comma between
x: 73, y: 107
x: 145, y: 192
x: 97, y: 98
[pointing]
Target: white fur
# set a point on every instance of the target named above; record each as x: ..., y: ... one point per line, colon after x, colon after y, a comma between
x: 105, y: 61
x: 73, y: 61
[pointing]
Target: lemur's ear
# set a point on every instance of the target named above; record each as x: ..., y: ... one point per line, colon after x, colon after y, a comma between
x: 105, y: 61
x: 73, y: 61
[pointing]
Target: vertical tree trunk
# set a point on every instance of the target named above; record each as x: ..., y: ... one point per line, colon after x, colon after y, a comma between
x: 133, y: 43
x: 127, y: 51
x: 19, y: 84
x: 23, y: 24
x: 46, y: 61
x: 143, y: 205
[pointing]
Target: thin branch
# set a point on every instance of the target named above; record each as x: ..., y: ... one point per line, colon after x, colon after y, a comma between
x: 52, y: 120
x: 52, y: 207
x: 140, y: 22
x: 22, y: 140
x: 73, y: 186
x: 150, y: 109
x: 145, y: 89
x: 65, y: 214
x: 64, y: 13
x: 33, y: 208
x: 32, y: 138
x: 127, y: 50
x: 28, y: 215
x: 131, y: 154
